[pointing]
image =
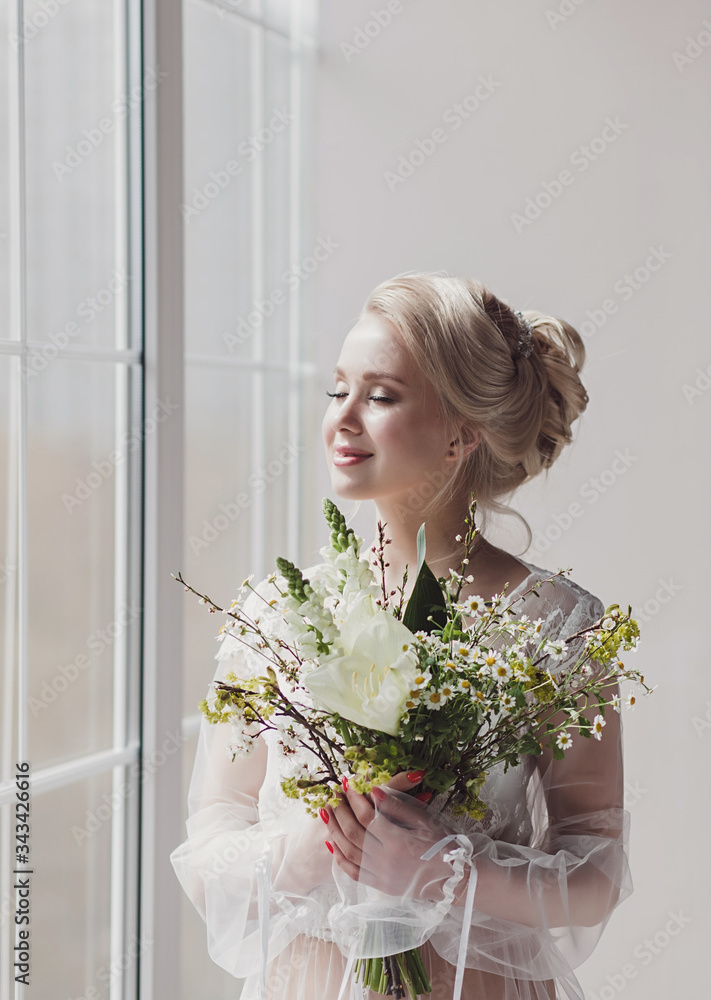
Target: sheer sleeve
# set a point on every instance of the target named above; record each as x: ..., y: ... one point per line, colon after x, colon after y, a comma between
x: 243, y: 833
x: 548, y: 863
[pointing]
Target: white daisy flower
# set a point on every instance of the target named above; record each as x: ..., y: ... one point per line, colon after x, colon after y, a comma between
x: 465, y: 685
x: 615, y: 702
x: 556, y: 650
x: 422, y: 680
x: 434, y: 700
x: 537, y: 625
x: 490, y: 659
x: 447, y: 690
x: 631, y: 701
x: 506, y: 702
x: 483, y: 701
x: 501, y: 672
x: 475, y: 605
x: 564, y: 739
x: 598, y: 723
x: 463, y: 652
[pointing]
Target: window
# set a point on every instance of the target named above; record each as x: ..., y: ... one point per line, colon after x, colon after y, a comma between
x: 142, y: 392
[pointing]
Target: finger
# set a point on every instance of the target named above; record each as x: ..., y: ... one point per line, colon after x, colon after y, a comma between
x: 355, y: 870
x: 361, y: 806
x: 346, y: 828
x: 401, y: 809
x: 404, y: 781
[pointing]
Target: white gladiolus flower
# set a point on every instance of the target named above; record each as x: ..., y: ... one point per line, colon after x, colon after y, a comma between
x: 372, y: 682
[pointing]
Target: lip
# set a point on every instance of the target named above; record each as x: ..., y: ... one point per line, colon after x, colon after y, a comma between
x: 350, y: 456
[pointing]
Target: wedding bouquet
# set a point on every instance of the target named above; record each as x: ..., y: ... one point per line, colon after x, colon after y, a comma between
x: 446, y: 686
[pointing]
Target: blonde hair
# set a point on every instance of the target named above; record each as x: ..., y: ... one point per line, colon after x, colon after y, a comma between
x: 466, y: 341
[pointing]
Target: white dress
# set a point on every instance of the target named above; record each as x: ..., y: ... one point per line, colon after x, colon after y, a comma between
x: 550, y: 855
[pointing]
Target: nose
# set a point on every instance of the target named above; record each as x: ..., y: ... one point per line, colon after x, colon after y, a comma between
x: 345, y: 415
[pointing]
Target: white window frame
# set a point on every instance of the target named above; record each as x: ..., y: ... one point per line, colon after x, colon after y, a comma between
x: 145, y: 894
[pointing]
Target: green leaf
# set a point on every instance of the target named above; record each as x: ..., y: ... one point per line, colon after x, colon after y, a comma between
x: 530, y: 745
x: 427, y: 597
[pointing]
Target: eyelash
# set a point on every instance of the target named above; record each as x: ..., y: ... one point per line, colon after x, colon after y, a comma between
x: 380, y: 399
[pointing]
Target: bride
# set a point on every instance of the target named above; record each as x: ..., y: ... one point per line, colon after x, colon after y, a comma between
x: 441, y: 391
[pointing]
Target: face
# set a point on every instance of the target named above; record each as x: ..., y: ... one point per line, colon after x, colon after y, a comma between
x: 382, y: 431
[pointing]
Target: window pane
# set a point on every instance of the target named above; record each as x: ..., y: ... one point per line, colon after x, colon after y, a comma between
x: 9, y: 367
x: 218, y: 510
x: 69, y: 893
x: 281, y: 279
x: 75, y: 116
x: 6, y: 145
x: 218, y: 183
x: 74, y: 471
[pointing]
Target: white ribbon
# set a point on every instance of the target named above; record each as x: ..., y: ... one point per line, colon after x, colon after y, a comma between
x: 263, y: 867
x: 457, y: 857
x: 347, y: 973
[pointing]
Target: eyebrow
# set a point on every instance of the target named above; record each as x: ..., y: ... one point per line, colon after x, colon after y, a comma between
x: 374, y: 375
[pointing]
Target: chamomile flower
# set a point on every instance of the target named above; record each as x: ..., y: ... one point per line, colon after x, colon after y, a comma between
x: 564, y: 739
x: 537, y: 625
x: 422, y: 680
x: 434, y: 700
x: 556, y: 650
x: 489, y: 659
x: 474, y: 605
x: 465, y: 685
x: 501, y: 672
x: 482, y: 700
x: 631, y: 701
x: 463, y: 652
x: 447, y: 690
x: 523, y: 624
x: 615, y: 702
x: 506, y: 702
x: 598, y: 723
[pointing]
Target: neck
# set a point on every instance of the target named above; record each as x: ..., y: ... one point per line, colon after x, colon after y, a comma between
x: 442, y: 551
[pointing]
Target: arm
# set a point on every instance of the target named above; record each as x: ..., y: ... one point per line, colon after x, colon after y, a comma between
x: 575, y: 877
x: 230, y: 832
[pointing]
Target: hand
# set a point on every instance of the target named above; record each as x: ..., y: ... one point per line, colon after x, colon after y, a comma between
x: 381, y: 842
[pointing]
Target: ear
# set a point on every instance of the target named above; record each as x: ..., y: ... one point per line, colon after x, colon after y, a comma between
x: 467, y: 440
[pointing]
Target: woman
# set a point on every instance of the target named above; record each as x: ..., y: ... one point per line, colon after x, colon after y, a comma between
x: 441, y: 391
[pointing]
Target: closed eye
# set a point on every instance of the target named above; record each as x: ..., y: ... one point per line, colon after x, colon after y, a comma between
x: 379, y: 399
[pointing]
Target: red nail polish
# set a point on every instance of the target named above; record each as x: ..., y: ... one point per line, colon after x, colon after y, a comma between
x: 414, y: 776
x: 323, y: 814
x: 329, y: 846
x: 424, y: 796
x: 378, y: 793
x: 344, y: 782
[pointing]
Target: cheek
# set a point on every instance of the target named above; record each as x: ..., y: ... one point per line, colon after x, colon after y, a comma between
x: 414, y: 435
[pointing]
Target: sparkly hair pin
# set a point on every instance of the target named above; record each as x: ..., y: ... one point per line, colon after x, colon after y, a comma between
x: 524, y: 343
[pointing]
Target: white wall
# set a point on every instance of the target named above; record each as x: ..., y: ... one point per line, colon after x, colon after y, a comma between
x: 641, y: 529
